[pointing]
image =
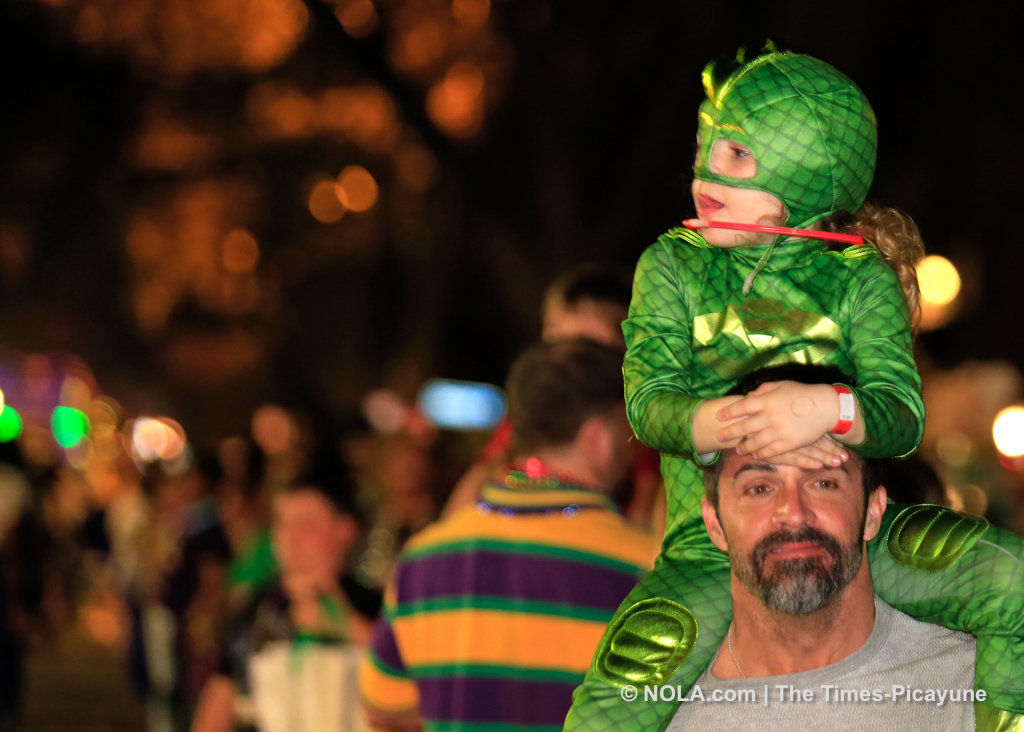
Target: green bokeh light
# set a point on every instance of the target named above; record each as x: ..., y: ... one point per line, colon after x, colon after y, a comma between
x: 10, y: 424
x: 70, y: 426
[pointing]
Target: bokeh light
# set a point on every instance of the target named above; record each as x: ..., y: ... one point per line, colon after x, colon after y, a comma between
x: 1008, y: 431
x: 325, y: 203
x: 2, y: 402
x: 156, y: 438
x: 10, y: 424
x: 357, y: 188
x: 81, y: 454
x: 385, y: 411
x: 70, y: 426
x: 939, y: 280
x: 274, y: 429
x: 240, y: 252
x: 75, y: 391
x: 461, y: 405
x: 471, y: 12
x: 174, y: 39
x: 418, y: 46
x: 357, y: 17
x: 455, y: 104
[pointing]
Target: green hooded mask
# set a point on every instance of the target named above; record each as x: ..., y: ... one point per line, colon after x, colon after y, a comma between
x: 809, y: 127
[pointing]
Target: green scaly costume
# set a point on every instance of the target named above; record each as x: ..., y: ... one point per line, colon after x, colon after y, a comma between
x: 702, y: 316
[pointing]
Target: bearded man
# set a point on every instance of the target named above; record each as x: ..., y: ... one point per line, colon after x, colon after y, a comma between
x: 810, y: 643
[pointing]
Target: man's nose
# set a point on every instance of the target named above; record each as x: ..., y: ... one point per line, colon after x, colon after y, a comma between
x: 792, y: 508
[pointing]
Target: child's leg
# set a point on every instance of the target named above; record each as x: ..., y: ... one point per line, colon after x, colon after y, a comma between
x: 956, y: 570
x: 665, y: 633
x: 684, y: 490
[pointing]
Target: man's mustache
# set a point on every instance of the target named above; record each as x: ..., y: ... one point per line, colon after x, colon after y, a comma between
x: 805, y: 534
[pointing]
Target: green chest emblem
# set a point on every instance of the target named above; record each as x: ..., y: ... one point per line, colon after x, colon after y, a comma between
x: 759, y: 332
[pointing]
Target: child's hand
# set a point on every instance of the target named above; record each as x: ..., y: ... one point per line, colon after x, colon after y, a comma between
x: 780, y: 417
x: 824, y: 452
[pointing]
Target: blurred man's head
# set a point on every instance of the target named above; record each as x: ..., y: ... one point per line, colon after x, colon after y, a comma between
x: 314, y: 528
x: 565, y: 397
x: 589, y: 301
x: 795, y: 537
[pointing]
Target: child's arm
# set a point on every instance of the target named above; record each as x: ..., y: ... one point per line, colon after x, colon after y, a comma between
x: 785, y: 416
x: 664, y: 412
x: 889, y: 417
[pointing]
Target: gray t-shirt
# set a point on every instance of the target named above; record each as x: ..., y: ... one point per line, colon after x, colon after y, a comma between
x: 907, y: 675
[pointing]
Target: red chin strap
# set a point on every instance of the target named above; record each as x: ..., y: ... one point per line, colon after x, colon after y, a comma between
x: 783, y: 230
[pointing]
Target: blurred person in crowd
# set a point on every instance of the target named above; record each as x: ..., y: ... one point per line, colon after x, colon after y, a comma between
x: 244, y: 509
x: 22, y: 545
x: 494, y: 612
x: 181, y: 592
x: 588, y: 301
x: 405, y: 476
x: 290, y: 658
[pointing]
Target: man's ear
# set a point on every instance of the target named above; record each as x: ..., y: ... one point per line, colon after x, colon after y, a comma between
x: 595, y: 439
x: 713, y: 525
x: 873, y: 513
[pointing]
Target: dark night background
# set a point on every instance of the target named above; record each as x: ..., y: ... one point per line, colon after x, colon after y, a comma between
x: 581, y: 152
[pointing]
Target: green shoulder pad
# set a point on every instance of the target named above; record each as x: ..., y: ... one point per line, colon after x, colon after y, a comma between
x: 988, y: 718
x: 647, y: 644
x: 932, y: 538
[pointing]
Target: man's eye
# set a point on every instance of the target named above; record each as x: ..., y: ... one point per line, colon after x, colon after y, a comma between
x: 829, y: 485
x: 758, y: 489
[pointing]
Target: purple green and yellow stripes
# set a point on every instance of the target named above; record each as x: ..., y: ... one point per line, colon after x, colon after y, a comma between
x: 493, y: 617
x: 545, y: 574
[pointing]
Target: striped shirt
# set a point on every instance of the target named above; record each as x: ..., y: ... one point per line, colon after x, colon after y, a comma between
x: 494, y: 614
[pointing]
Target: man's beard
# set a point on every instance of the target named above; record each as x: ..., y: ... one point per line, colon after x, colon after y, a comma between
x: 802, y: 585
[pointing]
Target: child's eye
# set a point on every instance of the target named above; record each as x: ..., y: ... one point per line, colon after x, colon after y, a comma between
x: 741, y: 152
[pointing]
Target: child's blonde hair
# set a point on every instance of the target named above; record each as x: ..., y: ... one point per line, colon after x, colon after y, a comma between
x: 897, y: 238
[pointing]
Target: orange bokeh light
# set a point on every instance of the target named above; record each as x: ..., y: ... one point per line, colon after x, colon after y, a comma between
x: 324, y: 202
x: 358, y: 18
x: 240, y: 252
x: 471, y: 12
x: 358, y: 188
x: 419, y: 47
x: 456, y: 103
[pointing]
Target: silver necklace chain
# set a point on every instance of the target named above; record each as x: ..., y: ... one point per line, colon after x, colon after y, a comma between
x: 728, y: 645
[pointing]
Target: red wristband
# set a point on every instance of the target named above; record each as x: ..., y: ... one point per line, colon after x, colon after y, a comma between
x: 847, y: 410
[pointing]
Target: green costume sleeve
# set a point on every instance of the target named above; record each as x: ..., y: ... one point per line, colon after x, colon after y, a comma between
x: 888, y: 388
x: 657, y: 365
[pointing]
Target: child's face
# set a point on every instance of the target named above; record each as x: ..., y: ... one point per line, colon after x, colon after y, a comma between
x: 718, y: 202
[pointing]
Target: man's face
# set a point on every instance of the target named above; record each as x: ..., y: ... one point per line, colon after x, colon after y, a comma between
x: 310, y: 536
x: 795, y: 537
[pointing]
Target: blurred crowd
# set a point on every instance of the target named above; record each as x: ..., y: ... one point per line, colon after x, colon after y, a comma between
x: 240, y: 581
x: 165, y: 563
x: 273, y: 545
